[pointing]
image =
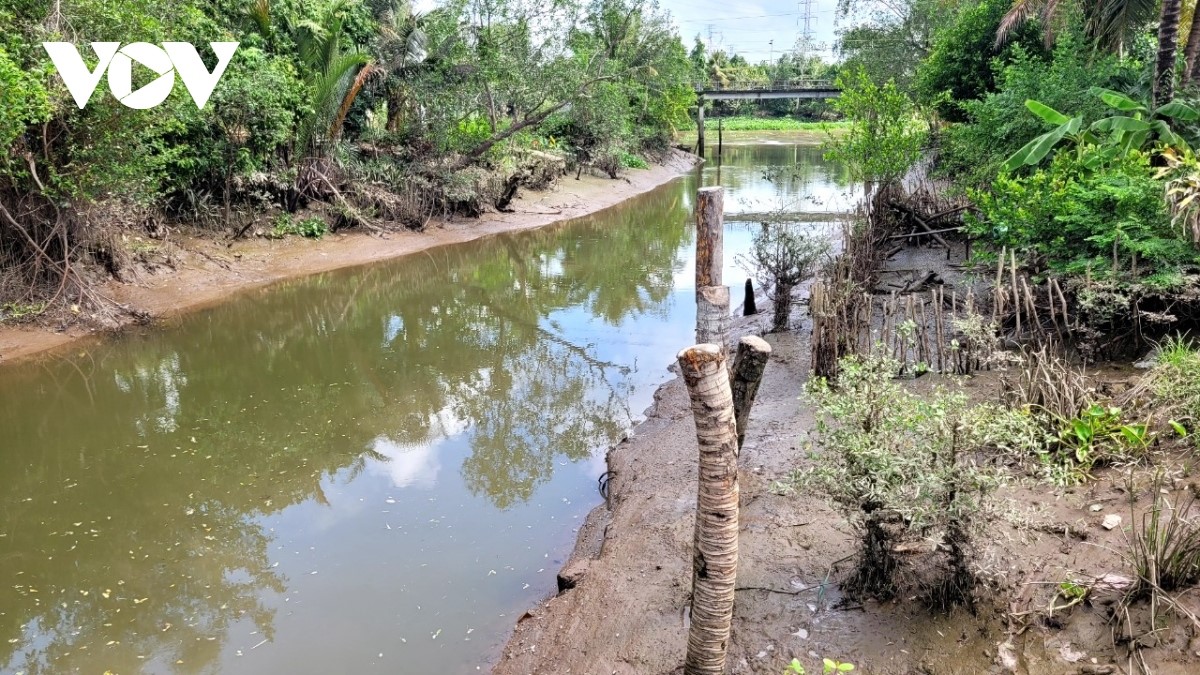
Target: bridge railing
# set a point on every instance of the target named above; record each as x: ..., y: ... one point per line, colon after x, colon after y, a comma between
x: 775, y: 85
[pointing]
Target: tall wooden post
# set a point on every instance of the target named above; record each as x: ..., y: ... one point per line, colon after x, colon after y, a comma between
x: 748, y: 368
x: 720, y: 137
x: 715, y: 555
x: 710, y: 231
x: 712, y: 316
x: 700, y: 124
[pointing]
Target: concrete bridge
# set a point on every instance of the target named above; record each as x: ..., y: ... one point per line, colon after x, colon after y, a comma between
x: 804, y: 89
x: 809, y: 89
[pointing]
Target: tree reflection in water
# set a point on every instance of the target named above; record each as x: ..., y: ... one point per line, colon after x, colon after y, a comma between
x: 139, y: 472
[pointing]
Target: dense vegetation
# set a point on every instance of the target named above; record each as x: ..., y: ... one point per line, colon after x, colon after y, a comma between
x: 1069, y: 128
x: 363, y: 109
x: 1059, y: 139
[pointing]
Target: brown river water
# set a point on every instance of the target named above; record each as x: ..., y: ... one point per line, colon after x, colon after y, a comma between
x: 373, y: 470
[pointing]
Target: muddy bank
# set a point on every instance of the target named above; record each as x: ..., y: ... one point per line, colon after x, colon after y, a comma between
x: 204, y: 270
x: 627, y: 585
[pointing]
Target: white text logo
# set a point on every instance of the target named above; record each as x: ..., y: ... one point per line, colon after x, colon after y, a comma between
x: 171, y: 58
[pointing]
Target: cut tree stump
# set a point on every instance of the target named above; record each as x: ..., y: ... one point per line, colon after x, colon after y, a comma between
x: 748, y: 368
x: 715, y: 554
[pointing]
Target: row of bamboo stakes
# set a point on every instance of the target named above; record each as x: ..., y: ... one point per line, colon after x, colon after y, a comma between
x: 918, y: 329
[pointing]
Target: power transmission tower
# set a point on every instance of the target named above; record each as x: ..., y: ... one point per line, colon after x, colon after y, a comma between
x: 805, y: 43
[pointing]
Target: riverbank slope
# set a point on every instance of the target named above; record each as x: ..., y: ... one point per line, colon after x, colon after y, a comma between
x: 622, y: 607
x: 204, y: 270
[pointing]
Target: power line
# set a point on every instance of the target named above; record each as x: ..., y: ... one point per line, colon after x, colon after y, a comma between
x: 758, y: 16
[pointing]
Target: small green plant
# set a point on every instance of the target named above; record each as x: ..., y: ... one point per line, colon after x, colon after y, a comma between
x: 1175, y: 382
x: 20, y: 311
x: 632, y: 161
x: 1098, y: 436
x: 794, y: 667
x: 310, y: 228
x: 783, y: 255
x: 833, y: 666
x: 1071, y: 592
x: 1163, y: 549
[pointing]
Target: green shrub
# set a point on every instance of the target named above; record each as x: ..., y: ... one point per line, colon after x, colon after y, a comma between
x: 903, y: 466
x: 23, y: 100
x: 962, y: 66
x: 883, y: 138
x: 632, y: 161
x: 999, y: 124
x: 1109, y: 221
x: 310, y: 228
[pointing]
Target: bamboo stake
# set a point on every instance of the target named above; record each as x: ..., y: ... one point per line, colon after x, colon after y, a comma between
x: 1016, y: 293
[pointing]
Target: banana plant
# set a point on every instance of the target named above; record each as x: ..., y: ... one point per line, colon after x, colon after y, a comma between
x: 1133, y: 128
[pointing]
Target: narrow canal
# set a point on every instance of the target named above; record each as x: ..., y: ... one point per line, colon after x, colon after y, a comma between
x: 375, y: 470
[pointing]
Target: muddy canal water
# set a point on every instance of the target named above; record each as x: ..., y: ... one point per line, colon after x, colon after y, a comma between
x: 374, y: 470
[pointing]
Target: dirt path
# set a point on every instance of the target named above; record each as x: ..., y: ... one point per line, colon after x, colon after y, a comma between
x: 207, y: 271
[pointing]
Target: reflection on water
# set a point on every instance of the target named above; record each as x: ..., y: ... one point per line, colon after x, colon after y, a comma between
x: 367, y: 471
x: 790, y: 177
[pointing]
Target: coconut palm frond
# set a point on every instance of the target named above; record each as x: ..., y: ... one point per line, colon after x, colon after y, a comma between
x: 1021, y: 11
x: 259, y: 13
x: 365, y: 73
x: 1111, y: 22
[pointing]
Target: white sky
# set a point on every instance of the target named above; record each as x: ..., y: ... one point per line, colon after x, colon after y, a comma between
x: 746, y: 27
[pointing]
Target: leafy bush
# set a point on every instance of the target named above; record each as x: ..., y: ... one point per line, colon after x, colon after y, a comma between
x: 999, y: 124
x: 884, y: 136
x: 1097, y: 436
x: 309, y: 228
x: 1076, y: 220
x: 903, y: 467
x: 632, y: 161
x: 962, y: 66
x: 23, y: 100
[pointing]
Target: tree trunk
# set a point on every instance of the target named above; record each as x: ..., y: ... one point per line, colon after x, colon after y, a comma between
x: 715, y: 556
x: 783, y: 307
x: 712, y: 316
x: 1164, y: 67
x: 1190, y: 52
x: 748, y: 368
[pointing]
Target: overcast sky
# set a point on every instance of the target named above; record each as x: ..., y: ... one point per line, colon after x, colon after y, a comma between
x: 747, y: 27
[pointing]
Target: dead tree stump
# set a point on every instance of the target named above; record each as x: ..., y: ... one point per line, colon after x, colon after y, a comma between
x: 748, y: 368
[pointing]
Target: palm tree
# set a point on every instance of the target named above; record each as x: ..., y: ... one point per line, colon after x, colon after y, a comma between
x: 1108, y: 22
x: 1164, y: 66
x: 1190, y: 52
x: 401, y: 47
x: 334, y: 77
